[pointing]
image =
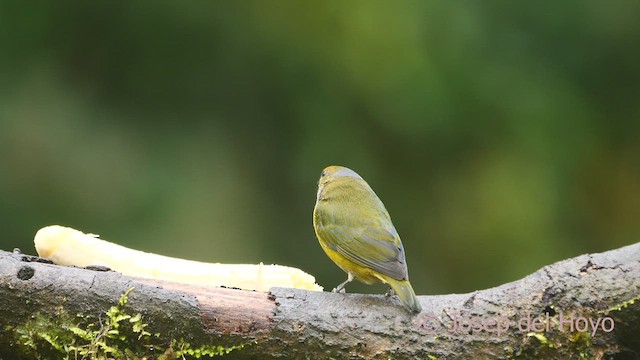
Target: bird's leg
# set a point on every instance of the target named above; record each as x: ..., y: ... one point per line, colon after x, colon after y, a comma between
x: 390, y: 292
x: 340, y: 288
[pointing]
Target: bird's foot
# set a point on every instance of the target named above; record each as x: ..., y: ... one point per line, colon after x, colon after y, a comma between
x: 340, y: 288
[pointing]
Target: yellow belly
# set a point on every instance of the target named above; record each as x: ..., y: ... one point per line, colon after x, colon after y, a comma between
x: 360, y: 273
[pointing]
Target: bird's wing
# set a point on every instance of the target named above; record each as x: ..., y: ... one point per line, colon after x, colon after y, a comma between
x: 374, y: 248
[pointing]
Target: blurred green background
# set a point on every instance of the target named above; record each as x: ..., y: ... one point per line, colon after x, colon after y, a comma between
x: 501, y: 136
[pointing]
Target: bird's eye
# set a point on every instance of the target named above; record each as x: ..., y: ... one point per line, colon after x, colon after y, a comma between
x: 324, y: 173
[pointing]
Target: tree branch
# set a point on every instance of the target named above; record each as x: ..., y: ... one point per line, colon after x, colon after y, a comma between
x: 597, y: 293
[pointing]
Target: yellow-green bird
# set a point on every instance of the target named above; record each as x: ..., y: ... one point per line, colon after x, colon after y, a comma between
x: 355, y: 230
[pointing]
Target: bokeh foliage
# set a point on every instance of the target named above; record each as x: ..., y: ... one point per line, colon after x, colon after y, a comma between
x: 502, y: 136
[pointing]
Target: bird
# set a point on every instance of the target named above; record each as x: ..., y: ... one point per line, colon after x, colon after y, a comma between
x: 355, y: 230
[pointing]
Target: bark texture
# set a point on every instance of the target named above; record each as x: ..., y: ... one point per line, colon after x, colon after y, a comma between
x: 586, y: 306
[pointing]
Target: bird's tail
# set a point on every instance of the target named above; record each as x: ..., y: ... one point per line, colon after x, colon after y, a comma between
x: 405, y: 292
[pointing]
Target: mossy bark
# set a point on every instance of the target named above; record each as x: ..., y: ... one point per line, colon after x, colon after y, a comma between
x: 532, y: 317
